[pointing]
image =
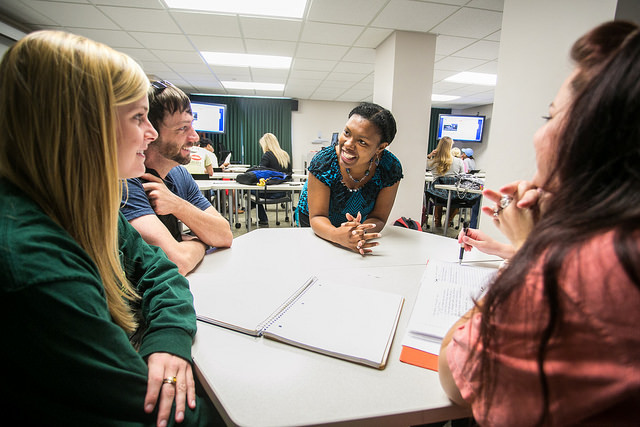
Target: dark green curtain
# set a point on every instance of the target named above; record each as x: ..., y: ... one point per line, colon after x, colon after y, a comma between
x: 433, y: 126
x: 247, y: 120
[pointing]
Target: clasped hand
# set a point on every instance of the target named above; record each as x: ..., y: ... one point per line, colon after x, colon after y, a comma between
x: 162, y: 200
x: 356, y: 236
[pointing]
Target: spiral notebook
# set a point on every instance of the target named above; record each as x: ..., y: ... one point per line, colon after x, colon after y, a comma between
x: 347, y: 322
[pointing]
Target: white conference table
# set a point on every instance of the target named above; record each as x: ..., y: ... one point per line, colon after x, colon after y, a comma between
x: 219, y: 185
x: 259, y: 382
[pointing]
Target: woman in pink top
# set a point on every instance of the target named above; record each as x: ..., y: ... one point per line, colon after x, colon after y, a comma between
x: 555, y: 340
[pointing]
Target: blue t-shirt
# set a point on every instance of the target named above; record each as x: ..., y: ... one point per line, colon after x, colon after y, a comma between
x: 325, y: 167
x: 135, y: 202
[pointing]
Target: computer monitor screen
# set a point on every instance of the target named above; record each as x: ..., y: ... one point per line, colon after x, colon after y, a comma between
x: 209, y: 117
x: 461, y: 127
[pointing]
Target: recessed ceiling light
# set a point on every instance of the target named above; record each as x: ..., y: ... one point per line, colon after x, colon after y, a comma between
x: 468, y: 77
x: 247, y: 60
x: 436, y: 98
x: 280, y: 8
x: 252, y: 85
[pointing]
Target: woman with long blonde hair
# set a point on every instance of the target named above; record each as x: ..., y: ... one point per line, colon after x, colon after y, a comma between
x: 76, y: 280
x: 273, y: 156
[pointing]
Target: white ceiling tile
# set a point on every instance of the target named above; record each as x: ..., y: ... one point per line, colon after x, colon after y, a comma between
x: 270, y: 29
x: 163, y: 41
x: 449, y: 2
x: 474, y: 23
x: 338, y: 34
x: 143, y: 4
x: 319, y: 51
x: 446, y: 45
x: 496, y: 5
x: 234, y: 77
x: 208, y: 24
x: 155, y: 67
x: 270, y: 47
x: 489, y: 67
x: 457, y: 64
x: 218, y: 44
x: 178, y: 56
x: 138, y: 54
x: 412, y: 16
x: 243, y: 73
x: 483, y: 49
x: 112, y: 38
x: 306, y: 74
x: 442, y: 74
x: 354, y: 67
x: 313, y: 64
x: 352, y: 94
x: 494, y: 36
x: 73, y: 15
x: 298, y: 93
x: 361, y: 54
x: 334, y: 84
x: 131, y: 19
x: 347, y: 77
x: 27, y: 15
x: 182, y: 67
x: 295, y: 82
x: 372, y: 37
x: 355, y: 12
x: 269, y: 76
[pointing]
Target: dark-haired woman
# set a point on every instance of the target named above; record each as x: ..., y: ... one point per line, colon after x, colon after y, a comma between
x: 555, y: 340
x: 352, y: 185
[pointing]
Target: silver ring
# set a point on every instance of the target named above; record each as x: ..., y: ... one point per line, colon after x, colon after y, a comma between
x: 496, y: 212
x: 504, y: 201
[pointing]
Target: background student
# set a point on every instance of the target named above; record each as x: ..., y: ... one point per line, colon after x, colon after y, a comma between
x: 76, y: 279
x: 554, y: 341
x: 356, y: 180
x: 273, y: 157
x: 442, y: 163
x: 166, y: 195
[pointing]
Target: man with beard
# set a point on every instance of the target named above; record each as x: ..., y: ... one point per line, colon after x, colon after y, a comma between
x: 166, y: 195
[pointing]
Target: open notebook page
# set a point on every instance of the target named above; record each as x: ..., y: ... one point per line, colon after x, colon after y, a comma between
x: 347, y: 322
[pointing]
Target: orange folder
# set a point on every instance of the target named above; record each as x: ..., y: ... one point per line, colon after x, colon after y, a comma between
x: 420, y: 358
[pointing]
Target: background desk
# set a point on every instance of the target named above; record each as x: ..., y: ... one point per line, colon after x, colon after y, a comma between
x: 218, y: 185
x: 260, y: 382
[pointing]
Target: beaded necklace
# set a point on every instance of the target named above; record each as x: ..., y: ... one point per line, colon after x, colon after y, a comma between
x: 366, y: 174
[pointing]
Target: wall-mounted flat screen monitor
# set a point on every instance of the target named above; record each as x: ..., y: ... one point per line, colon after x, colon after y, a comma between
x: 209, y: 117
x: 460, y: 127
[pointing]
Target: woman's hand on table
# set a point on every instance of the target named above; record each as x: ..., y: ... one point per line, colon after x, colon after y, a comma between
x: 356, y: 236
x: 160, y: 390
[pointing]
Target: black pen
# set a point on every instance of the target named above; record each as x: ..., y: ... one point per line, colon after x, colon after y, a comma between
x: 465, y: 229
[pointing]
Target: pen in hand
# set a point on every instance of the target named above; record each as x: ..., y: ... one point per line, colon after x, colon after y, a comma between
x: 465, y: 229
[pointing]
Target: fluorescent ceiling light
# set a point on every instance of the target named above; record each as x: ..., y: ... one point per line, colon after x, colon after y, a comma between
x: 280, y: 8
x: 467, y: 77
x: 247, y: 60
x: 252, y: 85
x: 435, y: 97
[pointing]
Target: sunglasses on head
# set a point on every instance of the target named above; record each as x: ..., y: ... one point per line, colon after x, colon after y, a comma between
x: 160, y: 85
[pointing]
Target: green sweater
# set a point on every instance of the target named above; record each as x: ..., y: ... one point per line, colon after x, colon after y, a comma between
x: 67, y: 362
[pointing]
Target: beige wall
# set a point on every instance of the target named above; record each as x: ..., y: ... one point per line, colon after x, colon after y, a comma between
x: 313, y: 117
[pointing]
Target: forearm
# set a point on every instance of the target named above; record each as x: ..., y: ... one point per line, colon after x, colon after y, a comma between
x: 209, y: 226
x: 186, y: 254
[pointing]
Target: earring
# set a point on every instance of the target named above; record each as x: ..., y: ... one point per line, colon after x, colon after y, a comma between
x: 377, y: 160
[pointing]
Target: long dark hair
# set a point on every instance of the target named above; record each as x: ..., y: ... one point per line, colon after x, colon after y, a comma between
x: 595, y: 175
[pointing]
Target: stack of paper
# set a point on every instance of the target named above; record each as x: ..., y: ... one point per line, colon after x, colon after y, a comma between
x: 447, y: 292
